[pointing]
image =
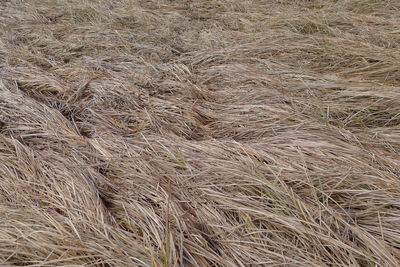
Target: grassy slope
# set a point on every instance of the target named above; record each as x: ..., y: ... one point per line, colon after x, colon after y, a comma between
x: 200, y: 133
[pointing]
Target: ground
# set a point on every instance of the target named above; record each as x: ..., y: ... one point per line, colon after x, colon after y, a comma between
x: 200, y: 133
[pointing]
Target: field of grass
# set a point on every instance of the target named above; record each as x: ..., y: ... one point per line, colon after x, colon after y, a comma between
x: 200, y: 133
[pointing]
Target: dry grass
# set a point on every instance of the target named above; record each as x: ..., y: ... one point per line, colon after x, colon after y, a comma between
x: 200, y: 133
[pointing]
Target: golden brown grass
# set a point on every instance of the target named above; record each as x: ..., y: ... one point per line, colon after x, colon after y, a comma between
x: 200, y: 133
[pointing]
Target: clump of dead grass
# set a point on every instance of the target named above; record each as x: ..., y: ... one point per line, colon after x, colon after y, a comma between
x: 205, y: 133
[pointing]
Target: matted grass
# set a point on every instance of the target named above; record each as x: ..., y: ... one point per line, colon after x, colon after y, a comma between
x: 200, y: 133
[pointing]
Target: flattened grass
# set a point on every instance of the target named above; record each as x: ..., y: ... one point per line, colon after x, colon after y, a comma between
x: 199, y: 133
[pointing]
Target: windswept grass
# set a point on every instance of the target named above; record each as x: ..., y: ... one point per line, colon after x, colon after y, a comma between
x: 200, y: 133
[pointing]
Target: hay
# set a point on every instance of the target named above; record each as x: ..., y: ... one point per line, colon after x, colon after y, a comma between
x: 200, y: 133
